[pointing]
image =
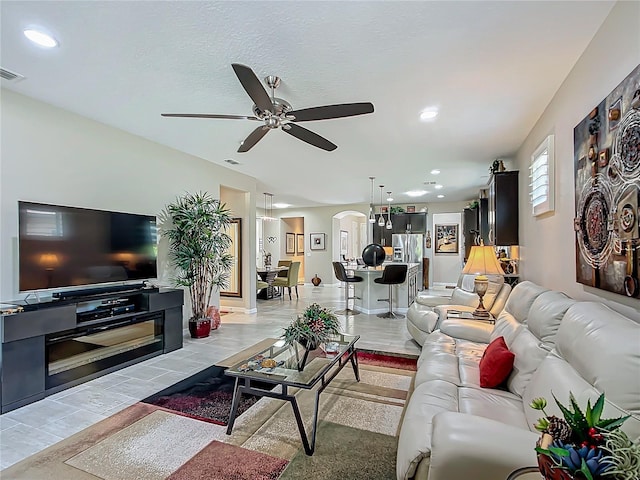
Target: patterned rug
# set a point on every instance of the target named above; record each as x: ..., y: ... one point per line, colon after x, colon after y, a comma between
x: 356, y: 439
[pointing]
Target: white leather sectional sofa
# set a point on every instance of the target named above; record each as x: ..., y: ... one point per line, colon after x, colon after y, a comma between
x: 453, y: 429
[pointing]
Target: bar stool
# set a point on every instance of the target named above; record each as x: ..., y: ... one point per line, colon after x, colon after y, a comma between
x: 341, y: 274
x: 391, y: 275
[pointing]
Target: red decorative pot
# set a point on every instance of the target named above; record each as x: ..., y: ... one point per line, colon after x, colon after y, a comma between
x: 199, y: 328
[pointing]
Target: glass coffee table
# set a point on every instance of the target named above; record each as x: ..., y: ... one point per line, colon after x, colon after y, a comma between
x: 279, y: 365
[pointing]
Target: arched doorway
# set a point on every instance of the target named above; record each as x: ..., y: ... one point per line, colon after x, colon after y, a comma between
x: 349, y: 235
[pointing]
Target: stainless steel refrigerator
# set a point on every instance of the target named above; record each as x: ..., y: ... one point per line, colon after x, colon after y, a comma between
x: 408, y: 248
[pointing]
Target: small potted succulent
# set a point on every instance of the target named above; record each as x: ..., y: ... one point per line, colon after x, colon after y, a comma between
x: 582, y: 445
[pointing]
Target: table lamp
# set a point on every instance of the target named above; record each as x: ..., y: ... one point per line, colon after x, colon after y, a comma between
x: 482, y: 262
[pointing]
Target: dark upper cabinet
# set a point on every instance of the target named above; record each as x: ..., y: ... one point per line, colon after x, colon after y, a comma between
x: 470, y: 228
x: 503, y: 209
x: 409, y: 222
x: 483, y: 220
x: 381, y: 235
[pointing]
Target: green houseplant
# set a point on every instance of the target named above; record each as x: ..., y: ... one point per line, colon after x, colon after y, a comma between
x: 316, y: 325
x: 195, y: 225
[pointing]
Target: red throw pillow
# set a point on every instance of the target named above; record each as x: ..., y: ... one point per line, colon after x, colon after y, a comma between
x: 496, y: 364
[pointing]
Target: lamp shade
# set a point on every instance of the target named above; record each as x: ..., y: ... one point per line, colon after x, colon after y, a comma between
x: 483, y: 261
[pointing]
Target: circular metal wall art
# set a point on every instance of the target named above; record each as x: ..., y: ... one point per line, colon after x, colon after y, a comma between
x: 626, y: 145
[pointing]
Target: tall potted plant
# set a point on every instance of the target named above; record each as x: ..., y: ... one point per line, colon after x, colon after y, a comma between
x: 196, y: 226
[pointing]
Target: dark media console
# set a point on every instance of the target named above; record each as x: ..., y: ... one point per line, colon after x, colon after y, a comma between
x: 51, y: 346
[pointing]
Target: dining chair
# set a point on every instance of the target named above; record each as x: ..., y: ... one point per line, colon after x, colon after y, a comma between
x: 291, y: 280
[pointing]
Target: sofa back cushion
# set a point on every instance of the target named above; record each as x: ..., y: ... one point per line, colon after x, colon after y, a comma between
x: 529, y: 353
x: 462, y: 297
x: 500, y: 300
x: 545, y: 315
x: 521, y: 298
x: 596, y: 352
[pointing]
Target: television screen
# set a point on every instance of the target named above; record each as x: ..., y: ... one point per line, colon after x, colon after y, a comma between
x: 67, y: 246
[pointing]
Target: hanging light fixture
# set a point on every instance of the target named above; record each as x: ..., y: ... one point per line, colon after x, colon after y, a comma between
x: 389, y: 226
x: 268, y: 206
x: 381, y: 219
x: 372, y: 215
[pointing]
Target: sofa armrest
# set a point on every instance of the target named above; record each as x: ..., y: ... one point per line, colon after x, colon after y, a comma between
x: 432, y: 300
x: 472, y: 330
x: 465, y: 446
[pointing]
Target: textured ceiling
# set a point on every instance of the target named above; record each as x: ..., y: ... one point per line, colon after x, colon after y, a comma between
x: 490, y: 67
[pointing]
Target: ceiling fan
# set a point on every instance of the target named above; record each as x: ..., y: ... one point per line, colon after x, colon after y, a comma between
x: 278, y: 113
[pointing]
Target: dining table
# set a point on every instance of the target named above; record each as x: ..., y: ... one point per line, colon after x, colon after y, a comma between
x: 268, y: 275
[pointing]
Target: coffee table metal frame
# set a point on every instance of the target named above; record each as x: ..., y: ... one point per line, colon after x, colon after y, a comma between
x: 324, y: 376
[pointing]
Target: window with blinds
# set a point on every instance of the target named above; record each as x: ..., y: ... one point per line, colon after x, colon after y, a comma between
x: 541, y: 177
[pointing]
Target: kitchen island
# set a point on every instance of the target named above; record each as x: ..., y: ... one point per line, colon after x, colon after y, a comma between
x: 370, y: 293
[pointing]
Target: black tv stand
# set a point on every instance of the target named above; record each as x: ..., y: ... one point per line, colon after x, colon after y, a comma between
x: 50, y: 346
x: 87, y: 292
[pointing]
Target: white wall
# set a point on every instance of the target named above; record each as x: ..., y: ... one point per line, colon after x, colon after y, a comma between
x: 548, y: 243
x: 446, y: 267
x: 50, y: 155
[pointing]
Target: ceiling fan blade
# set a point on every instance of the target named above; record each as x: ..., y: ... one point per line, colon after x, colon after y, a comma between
x: 331, y: 111
x: 253, y: 87
x: 253, y: 138
x: 309, y: 137
x: 208, y: 115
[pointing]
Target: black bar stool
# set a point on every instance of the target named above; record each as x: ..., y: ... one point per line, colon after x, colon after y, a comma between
x: 391, y: 275
x: 341, y: 274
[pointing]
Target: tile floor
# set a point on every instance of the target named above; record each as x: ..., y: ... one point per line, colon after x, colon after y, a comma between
x: 32, y: 428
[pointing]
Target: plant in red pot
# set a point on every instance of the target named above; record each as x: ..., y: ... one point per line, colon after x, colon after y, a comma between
x: 584, y: 446
x: 196, y: 225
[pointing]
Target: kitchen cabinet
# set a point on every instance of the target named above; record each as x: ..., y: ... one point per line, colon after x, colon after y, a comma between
x: 470, y: 228
x: 381, y: 235
x: 503, y: 209
x: 409, y: 222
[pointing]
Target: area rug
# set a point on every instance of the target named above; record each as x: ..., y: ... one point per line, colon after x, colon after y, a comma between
x: 385, y: 360
x: 363, y: 455
x: 356, y: 439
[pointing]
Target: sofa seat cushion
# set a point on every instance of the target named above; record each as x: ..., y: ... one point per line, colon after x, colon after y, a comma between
x: 494, y: 404
x: 414, y: 443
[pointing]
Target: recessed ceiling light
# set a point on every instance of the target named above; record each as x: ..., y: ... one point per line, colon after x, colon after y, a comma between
x: 389, y: 199
x: 438, y: 187
x: 40, y: 38
x: 440, y: 196
x: 435, y: 171
x: 428, y: 114
x: 416, y: 193
x: 281, y: 205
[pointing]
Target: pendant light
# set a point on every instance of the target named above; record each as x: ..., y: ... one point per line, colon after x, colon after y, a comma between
x: 381, y: 219
x: 372, y: 215
x: 389, y: 226
x: 268, y: 206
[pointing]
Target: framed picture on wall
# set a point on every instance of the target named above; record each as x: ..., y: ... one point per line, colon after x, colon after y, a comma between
x: 344, y: 242
x: 291, y: 244
x: 317, y: 241
x: 447, y: 238
x: 300, y: 243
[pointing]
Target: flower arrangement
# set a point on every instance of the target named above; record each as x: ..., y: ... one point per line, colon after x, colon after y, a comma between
x: 313, y: 327
x: 584, y: 445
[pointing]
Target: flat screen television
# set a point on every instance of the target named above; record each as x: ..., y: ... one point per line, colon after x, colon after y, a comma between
x: 67, y: 246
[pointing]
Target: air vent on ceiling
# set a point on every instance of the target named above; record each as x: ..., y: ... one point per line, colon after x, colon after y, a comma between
x: 9, y: 75
x: 232, y: 162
